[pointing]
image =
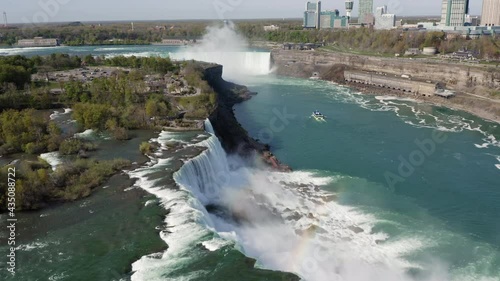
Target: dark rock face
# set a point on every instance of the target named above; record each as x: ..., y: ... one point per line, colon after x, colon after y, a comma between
x: 335, y: 73
x: 233, y: 137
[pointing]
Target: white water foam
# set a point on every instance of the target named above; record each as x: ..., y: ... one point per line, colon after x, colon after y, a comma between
x: 106, y: 49
x: 384, y: 98
x: 136, y: 54
x: 166, y: 137
x: 411, y: 111
x: 284, y: 220
x: 215, y: 244
x: 53, y: 158
x: 19, y: 51
x: 87, y: 134
x: 186, y: 224
x: 58, y: 114
x: 31, y: 246
x: 289, y: 222
x: 149, y: 202
x: 59, y: 276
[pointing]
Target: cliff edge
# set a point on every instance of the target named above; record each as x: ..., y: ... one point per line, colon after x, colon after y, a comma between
x: 477, y: 87
x: 233, y: 137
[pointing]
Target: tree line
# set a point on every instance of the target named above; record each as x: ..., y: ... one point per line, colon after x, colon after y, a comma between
x: 378, y: 41
x: 106, y: 33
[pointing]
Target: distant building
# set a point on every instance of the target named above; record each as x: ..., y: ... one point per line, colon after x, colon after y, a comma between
x: 332, y: 19
x: 383, y: 20
x: 5, y: 23
x: 471, y: 21
x: 453, y: 12
x: 312, y: 15
x: 349, y: 5
x: 365, y: 14
x: 176, y: 42
x: 408, y: 26
x: 471, y: 30
x: 271, y: 27
x: 426, y: 25
x: 491, y: 13
x: 413, y: 52
x: 38, y: 42
x: 463, y: 55
x: 429, y: 51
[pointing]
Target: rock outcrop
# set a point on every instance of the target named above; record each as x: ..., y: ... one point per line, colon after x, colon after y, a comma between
x: 233, y: 137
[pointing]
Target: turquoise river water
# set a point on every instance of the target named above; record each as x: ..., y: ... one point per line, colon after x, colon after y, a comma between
x: 384, y: 189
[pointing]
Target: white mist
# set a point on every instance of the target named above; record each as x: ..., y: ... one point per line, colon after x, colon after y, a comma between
x: 223, y: 45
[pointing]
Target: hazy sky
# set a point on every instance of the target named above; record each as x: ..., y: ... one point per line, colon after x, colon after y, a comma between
x: 19, y: 11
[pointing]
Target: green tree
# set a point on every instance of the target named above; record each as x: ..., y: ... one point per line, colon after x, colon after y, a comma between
x: 91, y: 116
x: 17, y: 75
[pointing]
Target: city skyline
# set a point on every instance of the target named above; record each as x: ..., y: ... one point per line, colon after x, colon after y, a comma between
x: 31, y: 11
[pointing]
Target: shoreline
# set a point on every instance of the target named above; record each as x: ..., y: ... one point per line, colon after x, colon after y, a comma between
x: 475, y: 88
x: 433, y: 101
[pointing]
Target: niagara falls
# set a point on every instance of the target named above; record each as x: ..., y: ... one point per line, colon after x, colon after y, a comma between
x: 249, y: 141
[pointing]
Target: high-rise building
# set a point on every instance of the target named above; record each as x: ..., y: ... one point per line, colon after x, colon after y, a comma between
x: 491, y: 13
x: 365, y: 14
x: 349, y: 5
x: 312, y: 15
x: 332, y: 19
x: 384, y: 20
x: 453, y: 12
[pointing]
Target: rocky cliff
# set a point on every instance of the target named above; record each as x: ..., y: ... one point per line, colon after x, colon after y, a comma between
x: 478, y: 86
x: 475, y: 79
x: 233, y: 137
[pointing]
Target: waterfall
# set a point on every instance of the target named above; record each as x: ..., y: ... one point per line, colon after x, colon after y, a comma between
x: 247, y: 63
x: 206, y: 174
x: 283, y: 220
x: 209, y: 128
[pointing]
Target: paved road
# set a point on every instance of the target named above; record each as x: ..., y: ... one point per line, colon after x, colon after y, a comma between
x: 481, y: 97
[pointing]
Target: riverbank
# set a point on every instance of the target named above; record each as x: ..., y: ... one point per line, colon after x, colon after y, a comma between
x: 476, y: 87
x: 462, y: 101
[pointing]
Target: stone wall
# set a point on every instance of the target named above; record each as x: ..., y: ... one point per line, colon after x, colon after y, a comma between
x: 475, y: 79
x: 391, y: 82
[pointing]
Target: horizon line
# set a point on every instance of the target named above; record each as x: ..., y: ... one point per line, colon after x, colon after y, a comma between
x: 188, y: 20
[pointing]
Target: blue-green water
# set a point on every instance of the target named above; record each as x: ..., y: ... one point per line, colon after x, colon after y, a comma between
x: 449, y: 205
x: 138, y: 50
x: 348, y: 212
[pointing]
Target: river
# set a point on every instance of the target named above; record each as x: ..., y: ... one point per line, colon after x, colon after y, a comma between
x: 385, y: 189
